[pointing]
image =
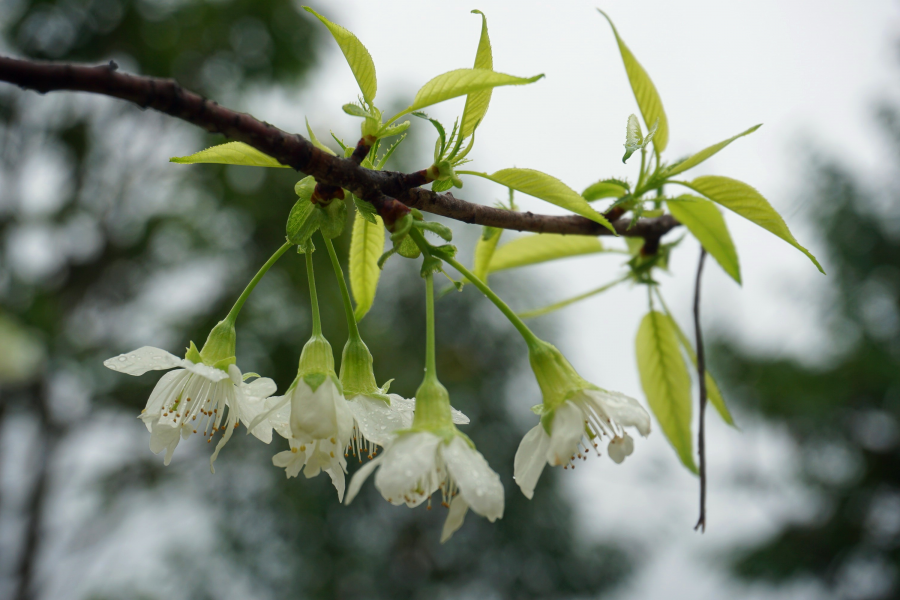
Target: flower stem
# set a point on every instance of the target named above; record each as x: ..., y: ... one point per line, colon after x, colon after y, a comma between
x: 345, y: 294
x: 527, y: 334
x: 430, y: 365
x: 313, y: 299
x: 233, y: 313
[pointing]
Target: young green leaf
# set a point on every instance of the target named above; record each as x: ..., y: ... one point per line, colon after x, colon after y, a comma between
x: 644, y: 92
x: 357, y: 56
x: 666, y: 382
x: 604, y: 188
x: 541, y: 247
x: 315, y: 141
x: 704, y: 220
x: 692, y: 161
x: 746, y: 201
x: 366, y: 246
x: 459, y: 83
x: 712, y: 389
x: 546, y: 187
x: 484, y: 251
x: 477, y: 102
x: 633, y: 137
x: 232, y: 153
x: 538, y: 312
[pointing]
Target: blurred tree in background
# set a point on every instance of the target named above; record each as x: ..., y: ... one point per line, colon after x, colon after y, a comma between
x: 845, y: 415
x: 105, y: 246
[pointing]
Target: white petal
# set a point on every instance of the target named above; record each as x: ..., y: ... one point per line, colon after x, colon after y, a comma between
x: 259, y: 388
x: 291, y: 461
x: 235, y: 374
x: 251, y: 408
x: 566, y: 430
x: 622, y: 409
x: 360, y: 477
x: 229, y: 429
x: 530, y: 459
x: 409, y: 458
x: 620, y: 447
x: 164, y: 437
x: 313, y: 413
x: 345, y: 421
x: 145, y: 358
x: 406, y: 408
x: 274, y: 405
x: 458, y: 417
x: 337, y: 479
x: 211, y: 373
x: 376, y: 419
x: 477, y: 481
x: 164, y: 393
x: 455, y: 518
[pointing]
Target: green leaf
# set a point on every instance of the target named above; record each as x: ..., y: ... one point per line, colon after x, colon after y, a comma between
x: 712, y: 389
x: 357, y: 56
x: 696, y: 159
x: 315, y: 141
x: 644, y: 92
x: 334, y: 218
x: 355, y: 110
x: 546, y: 187
x: 603, y: 189
x: 633, y: 137
x: 704, y: 220
x: 484, y: 251
x: 232, y: 153
x: 366, y: 247
x: 477, y: 102
x: 750, y: 204
x: 365, y: 209
x: 461, y: 82
x: 541, y: 247
x: 666, y: 382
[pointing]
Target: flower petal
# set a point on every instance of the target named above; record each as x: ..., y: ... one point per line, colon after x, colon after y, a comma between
x: 622, y: 409
x: 313, y: 412
x: 566, y: 430
x: 455, y: 518
x: 259, y: 388
x: 457, y: 417
x: 477, y: 481
x: 145, y: 358
x: 620, y: 447
x: 407, y: 460
x: 530, y: 459
x: 290, y: 461
x: 337, y: 479
x: 211, y: 373
x: 164, y: 437
x: 164, y: 393
x: 360, y: 477
x: 376, y: 419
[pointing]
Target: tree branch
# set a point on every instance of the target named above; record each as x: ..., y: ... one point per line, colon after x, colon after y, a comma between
x: 166, y: 96
x: 701, y: 375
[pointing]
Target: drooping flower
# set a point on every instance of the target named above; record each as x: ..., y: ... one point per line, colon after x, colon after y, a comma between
x: 575, y: 416
x: 205, y: 393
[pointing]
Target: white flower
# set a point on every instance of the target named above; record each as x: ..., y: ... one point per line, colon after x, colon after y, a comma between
x: 376, y: 420
x: 416, y: 464
x: 321, y: 427
x: 589, y: 414
x: 197, y: 398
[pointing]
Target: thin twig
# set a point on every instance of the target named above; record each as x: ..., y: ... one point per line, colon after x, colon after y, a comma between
x: 701, y: 375
x: 166, y: 96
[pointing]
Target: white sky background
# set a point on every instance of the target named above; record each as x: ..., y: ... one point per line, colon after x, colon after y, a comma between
x: 811, y: 71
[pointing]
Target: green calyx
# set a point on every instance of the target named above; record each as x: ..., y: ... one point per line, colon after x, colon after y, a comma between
x: 218, y: 351
x: 432, y: 406
x: 317, y: 358
x: 357, y: 374
x: 557, y: 378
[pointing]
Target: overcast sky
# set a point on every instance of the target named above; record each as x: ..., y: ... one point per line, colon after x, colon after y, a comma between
x: 811, y: 71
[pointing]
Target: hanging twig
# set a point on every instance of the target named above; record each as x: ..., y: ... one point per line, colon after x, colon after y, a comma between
x: 701, y: 375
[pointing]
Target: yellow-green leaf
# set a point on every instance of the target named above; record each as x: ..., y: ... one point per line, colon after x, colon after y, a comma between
x: 357, y: 56
x: 541, y: 247
x: 366, y: 246
x: 538, y: 312
x: 461, y: 82
x: 477, y: 102
x: 704, y: 220
x: 546, y: 187
x: 232, y: 153
x: 666, y: 382
x: 746, y: 201
x: 603, y: 189
x: 484, y: 252
x: 692, y: 161
x: 644, y: 92
x: 712, y: 388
